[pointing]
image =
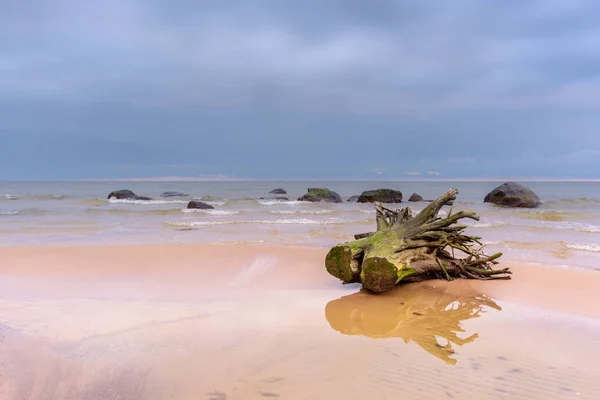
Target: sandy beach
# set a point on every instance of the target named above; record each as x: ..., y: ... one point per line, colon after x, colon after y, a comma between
x: 255, y: 321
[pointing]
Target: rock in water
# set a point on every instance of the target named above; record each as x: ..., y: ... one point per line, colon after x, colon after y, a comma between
x: 122, y: 194
x: 415, y: 197
x: 380, y: 195
x: 173, y: 194
x: 143, y: 198
x: 353, y: 199
x: 278, y: 191
x: 321, y: 194
x: 194, y: 204
x: 512, y: 194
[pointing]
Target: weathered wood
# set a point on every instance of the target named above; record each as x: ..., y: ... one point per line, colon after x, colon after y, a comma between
x: 406, y: 248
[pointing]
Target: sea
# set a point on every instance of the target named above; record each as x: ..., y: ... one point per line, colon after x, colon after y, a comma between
x: 563, y: 232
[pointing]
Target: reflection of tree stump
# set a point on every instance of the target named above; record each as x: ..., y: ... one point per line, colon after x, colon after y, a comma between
x: 406, y: 248
x: 415, y: 313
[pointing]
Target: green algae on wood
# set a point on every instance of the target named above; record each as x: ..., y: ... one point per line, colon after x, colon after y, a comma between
x: 407, y: 249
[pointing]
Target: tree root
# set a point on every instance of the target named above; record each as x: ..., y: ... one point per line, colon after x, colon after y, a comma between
x: 406, y: 248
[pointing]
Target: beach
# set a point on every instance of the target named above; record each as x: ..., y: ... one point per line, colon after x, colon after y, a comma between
x: 147, y: 299
x: 252, y: 321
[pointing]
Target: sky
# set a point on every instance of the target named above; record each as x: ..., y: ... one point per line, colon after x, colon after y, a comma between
x: 287, y: 89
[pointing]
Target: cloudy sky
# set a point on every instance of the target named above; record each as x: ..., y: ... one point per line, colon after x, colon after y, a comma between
x: 299, y: 89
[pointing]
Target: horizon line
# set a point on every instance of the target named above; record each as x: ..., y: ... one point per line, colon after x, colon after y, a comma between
x: 237, y: 179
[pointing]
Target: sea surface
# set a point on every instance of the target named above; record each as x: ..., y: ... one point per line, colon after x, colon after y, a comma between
x: 564, y: 231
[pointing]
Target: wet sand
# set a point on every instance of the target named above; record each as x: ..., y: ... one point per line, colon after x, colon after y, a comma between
x: 254, y: 322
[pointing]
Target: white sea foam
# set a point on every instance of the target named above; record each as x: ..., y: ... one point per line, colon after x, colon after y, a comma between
x: 312, y: 212
x: 295, y: 221
x: 585, y: 247
x: 282, y: 202
x: 146, y: 202
x: 493, y: 224
x: 9, y: 213
x: 10, y: 197
x: 588, y: 228
x: 210, y: 212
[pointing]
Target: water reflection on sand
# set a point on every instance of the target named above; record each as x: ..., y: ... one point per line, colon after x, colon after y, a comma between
x: 430, y: 317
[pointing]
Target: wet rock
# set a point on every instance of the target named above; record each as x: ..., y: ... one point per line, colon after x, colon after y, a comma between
x: 173, y: 194
x: 415, y: 197
x: 199, y: 205
x: 278, y: 191
x: 143, y: 198
x: 380, y: 195
x: 512, y: 194
x: 353, y: 199
x: 122, y: 194
x: 321, y: 194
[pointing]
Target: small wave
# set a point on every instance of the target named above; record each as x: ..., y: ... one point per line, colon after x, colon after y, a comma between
x: 585, y: 247
x: 494, y: 224
x: 146, y: 202
x: 312, y: 212
x: 589, y: 228
x: 9, y: 213
x: 211, y: 212
x: 274, y: 202
x: 51, y: 196
x: 295, y: 221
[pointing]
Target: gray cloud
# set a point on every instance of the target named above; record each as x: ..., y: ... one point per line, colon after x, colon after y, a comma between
x: 498, y: 84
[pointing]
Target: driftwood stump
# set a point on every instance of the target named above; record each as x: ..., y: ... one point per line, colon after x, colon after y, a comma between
x: 408, y: 249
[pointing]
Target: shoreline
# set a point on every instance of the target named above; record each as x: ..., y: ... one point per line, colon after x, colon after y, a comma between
x: 546, y: 287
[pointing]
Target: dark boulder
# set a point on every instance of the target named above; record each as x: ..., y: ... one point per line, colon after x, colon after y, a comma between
x: 173, y: 194
x: 142, y: 198
x: 321, y: 194
x: 353, y: 199
x: 415, y: 197
x: 380, y: 195
x: 195, y: 204
x: 122, y: 194
x: 512, y: 194
x: 278, y: 191
x: 278, y: 198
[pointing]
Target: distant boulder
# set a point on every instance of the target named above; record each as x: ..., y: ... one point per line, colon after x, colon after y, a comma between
x: 278, y: 198
x: 122, y: 194
x: 353, y: 199
x: 380, y: 195
x: 321, y: 194
x: 173, y: 194
x: 415, y: 197
x: 195, y: 204
x: 512, y: 194
x: 278, y: 191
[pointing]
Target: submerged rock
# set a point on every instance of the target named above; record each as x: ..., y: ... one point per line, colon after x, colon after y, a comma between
x: 512, y: 194
x: 173, y: 194
x: 380, y: 195
x: 122, y: 194
x: 143, y: 198
x: 195, y: 204
x: 278, y: 191
x: 353, y: 199
x: 415, y: 197
x: 321, y: 194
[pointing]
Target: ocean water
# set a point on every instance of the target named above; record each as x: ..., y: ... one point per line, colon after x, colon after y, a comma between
x: 564, y: 231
